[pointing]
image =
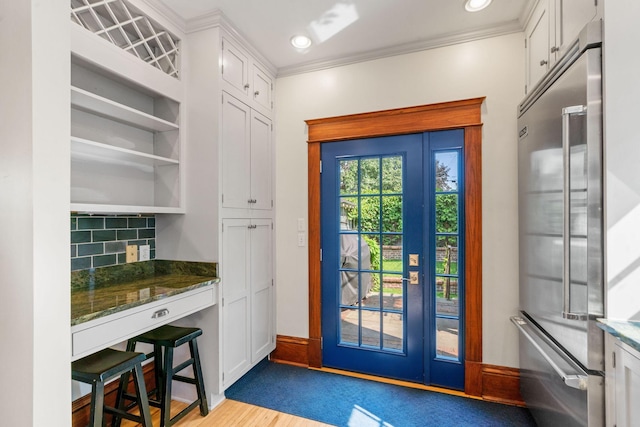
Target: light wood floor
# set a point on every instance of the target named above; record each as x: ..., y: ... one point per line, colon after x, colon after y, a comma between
x: 231, y: 413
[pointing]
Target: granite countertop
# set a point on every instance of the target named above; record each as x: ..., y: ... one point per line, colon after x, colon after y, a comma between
x: 627, y: 331
x: 103, y: 291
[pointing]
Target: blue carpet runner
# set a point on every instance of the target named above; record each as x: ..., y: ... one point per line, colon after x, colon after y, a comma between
x: 346, y: 401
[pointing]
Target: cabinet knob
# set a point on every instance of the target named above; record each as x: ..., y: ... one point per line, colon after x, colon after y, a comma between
x: 256, y: 93
x: 554, y: 49
x: 246, y: 86
x: 544, y: 62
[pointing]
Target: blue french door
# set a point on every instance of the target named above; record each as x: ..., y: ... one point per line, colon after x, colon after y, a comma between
x: 391, y: 257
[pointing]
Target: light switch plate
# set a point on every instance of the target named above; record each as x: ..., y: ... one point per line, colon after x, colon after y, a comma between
x: 132, y: 253
x: 145, y: 252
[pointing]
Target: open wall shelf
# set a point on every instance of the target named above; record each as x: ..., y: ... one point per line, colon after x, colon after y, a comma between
x: 95, y: 104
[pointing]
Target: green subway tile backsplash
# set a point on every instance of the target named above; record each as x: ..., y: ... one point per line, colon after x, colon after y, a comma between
x: 116, y: 222
x: 90, y: 223
x: 104, y: 260
x: 80, y: 236
x: 137, y: 223
x: 103, y: 235
x: 101, y: 240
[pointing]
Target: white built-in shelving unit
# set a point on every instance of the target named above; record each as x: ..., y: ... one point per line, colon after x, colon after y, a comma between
x: 125, y: 111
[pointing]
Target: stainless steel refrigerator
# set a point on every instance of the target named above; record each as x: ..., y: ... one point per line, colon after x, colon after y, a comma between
x: 561, y: 242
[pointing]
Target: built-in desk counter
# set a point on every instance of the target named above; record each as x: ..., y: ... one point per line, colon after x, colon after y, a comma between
x: 111, y: 304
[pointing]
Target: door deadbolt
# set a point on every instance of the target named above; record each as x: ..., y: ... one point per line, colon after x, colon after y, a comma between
x: 414, y: 260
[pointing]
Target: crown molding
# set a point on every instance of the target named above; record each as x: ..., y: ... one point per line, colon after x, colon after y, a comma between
x: 167, y: 13
x: 216, y: 18
x: 527, y: 13
x: 447, y: 40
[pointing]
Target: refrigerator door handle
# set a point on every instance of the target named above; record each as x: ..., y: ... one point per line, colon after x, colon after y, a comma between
x: 567, y: 112
x: 571, y: 380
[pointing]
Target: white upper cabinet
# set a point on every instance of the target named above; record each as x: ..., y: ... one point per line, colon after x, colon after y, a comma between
x: 537, y: 43
x: 243, y: 77
x: 246, y: 158
x: 571, y: 17
x: 552, y: 27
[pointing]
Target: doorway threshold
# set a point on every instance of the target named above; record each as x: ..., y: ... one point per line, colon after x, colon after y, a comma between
x: 396, y: 382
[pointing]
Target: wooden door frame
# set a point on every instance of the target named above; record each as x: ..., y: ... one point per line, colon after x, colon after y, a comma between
x: 464, y: 114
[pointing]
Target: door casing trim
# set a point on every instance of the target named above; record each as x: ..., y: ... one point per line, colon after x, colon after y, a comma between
x: 463, y: 114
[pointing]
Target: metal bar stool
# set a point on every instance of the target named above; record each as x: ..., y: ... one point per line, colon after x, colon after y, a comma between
x: 104, y: 365
x: 164, y: 340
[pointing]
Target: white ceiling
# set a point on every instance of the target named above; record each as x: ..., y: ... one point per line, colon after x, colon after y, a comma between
x: 371, y: 28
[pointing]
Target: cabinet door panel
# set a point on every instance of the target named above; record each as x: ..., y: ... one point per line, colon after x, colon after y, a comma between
x: 235, y: 67
x: 261, y: 88
x: 236, y: 243
x: 235, y: 153
x: 571, y: 17
x: 235, y: 349
x: 538, y: 48
x: 627, y: 388
x: 261, y: 168
x: 262, y: 322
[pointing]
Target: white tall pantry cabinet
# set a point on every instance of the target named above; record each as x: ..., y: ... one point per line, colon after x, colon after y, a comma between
x: 246, y: 186
x: 228, y: 168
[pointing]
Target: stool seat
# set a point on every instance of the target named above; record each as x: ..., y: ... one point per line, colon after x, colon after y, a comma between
x: 169, y: 336
x: 99, y: 367
x: 104, y: 364
x: 164, y: 340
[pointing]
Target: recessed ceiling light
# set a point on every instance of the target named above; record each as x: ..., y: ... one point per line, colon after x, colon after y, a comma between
x: 476, y: 5
x: 300, y: 42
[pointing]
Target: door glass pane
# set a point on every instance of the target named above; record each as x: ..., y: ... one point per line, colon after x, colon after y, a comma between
x: 370, y: 176
x: 370, y: 220
x: 349, y: 326
x: 392, y: 253
x: 445, y: 257
x: 348, y: 176
x: 447, y: 171
x: 447, y: 337
x: 349, y: 213
x: 447, y: 296
x: 392, y: 214
x: 446, y: 213
x: 370, y: 328
x: 392, y: 174
x: 393, y: 331
x: 392, y: 291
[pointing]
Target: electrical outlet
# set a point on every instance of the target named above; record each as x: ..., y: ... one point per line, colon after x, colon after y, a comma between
x: 145, y: 252
x: 132, y: 253
x: 301, y: 239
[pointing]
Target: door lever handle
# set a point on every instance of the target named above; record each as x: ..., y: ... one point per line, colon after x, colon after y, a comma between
x: 414, y: 278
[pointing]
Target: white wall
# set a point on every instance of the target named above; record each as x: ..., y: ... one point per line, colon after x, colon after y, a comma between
x: 34, y: 214
x: 622, y: 158
x: 493, y: 68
